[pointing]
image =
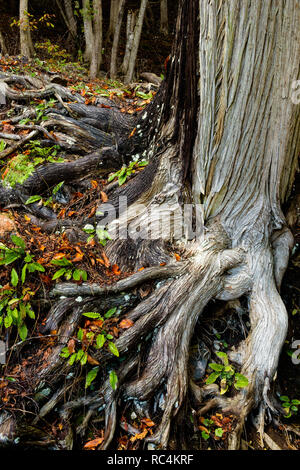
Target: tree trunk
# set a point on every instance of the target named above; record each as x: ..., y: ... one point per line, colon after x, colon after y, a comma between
x: 113, y: 18
x: 71, y: 22
x: 164, y: 24
x: 222, y: 137
x: 92, y: 18
x: 2, y: 44
x: 136, y: 42
x: 232, y: 73
x: 25, y: 34
x: 114, y: 51
x: 130, y: 25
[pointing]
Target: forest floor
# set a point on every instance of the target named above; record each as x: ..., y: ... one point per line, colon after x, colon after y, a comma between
x: 87, y: 259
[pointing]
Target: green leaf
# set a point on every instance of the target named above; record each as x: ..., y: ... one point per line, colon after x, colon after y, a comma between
x: 59, y: 273
x: 83, y: 360
x: 212, y: 378
x: 18, y: 241
x: 23, y: 331
x: 241, y: 381
x: 83, y: 274
x: 113, y: 348
x: 219, y: 432
x: 65, y: 353
x: 224, y: 357
x: 61, y: 262
x: 113, y: 380
x: 216, y: 367
x: 72, y: 359
x: 10, y: 257
x: 110, y: 312
x: 80, y: 334
x: 8, y: 321
x: 122, y: 179
x: 91, y: 376
x: 284, y: 398
x: 33, y: 199
x: 295, y: 402
x: 204, y: 435
x: 57, y: 187
x: 14, y: 277
x: 93, y: 315
x: 100, y: 340
x: 36, y: 267
x: 23, y: 274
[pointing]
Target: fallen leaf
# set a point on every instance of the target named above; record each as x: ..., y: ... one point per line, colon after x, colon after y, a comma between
x: 93, y: 444
x: 116, y: 270
x: 126, y: 324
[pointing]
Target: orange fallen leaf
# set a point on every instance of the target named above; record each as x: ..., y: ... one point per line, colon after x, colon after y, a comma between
x: 116, y: 270
x: 94, y: 184
x: 148, y: 422
x: 93, y: 444
x: 77, y: 258
x: 126, y: 324
x: 104, y: 196
x: 59, y: 256
x: 178, y: 258
x: 71, y: 346
x: 92, y: 361
x: 132, y: 133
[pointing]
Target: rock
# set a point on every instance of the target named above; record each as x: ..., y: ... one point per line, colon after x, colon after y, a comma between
x: 6, y: 225
x: 152, y: 78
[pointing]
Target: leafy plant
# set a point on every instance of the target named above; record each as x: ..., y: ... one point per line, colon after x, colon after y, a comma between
x: 207, y: 429
x: 37, y: 198
x: 14, y: 300
x: 96, y: 339
x: 127, y: 171
x: 103, y: 235
x: 290, y: 406
x: 226, y: 374
x: 68, y: 270
x: 24, y: 164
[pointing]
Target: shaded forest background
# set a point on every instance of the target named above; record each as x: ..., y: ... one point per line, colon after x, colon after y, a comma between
x: 154, y: 46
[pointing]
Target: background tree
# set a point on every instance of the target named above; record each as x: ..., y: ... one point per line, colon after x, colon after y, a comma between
x: 92, y: 19
x: 129, y: 70
x: 26, y: 45
x: 2, y: 44
x: 164, y: 22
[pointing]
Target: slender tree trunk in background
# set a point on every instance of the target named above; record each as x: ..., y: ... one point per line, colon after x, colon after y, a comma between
x: 25, y: 34
x: 3, y: 48
x: 136, y: 41
x: 92, y: 17
x: 71, y: 21
x: 164, y: 23
x: 130, y: 25
x: 113, y: 17
x: 88, y: 30
x: 114, y: 51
